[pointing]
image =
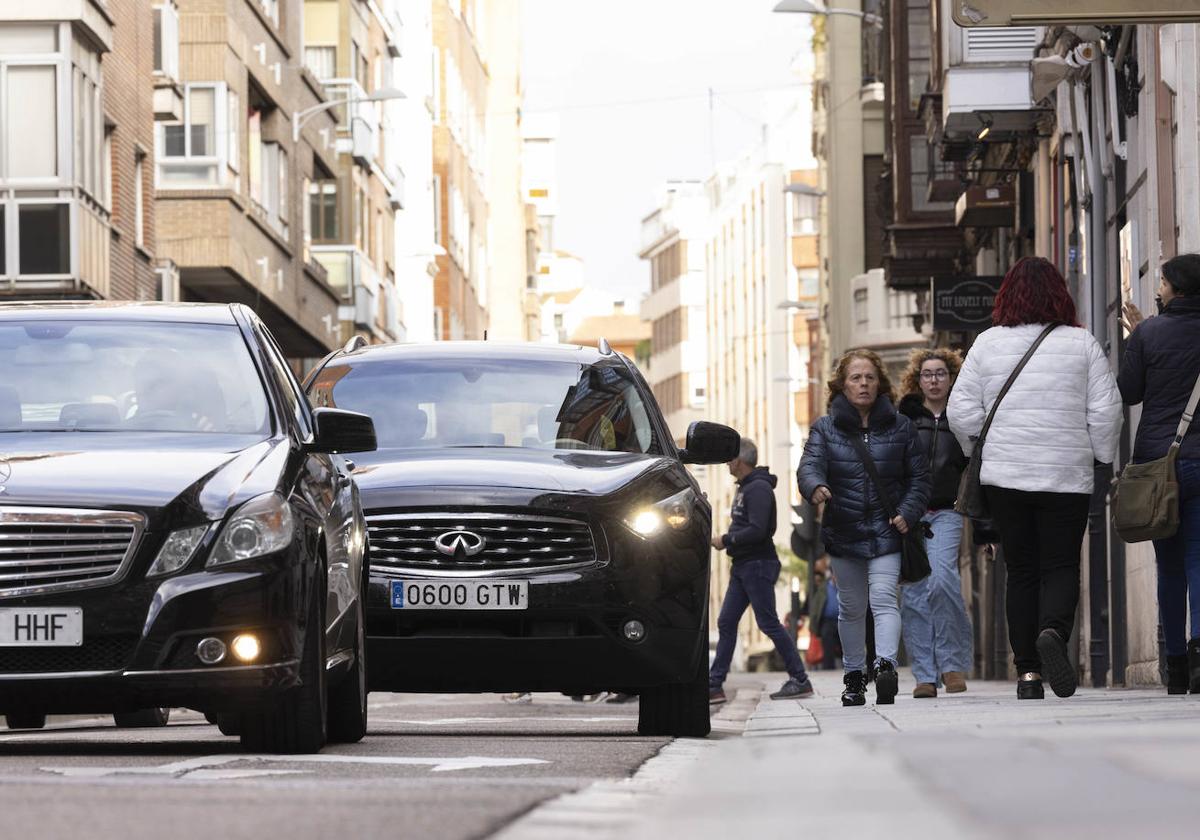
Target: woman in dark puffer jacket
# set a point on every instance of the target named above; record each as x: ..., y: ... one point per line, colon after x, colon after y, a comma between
x: 862, y: 541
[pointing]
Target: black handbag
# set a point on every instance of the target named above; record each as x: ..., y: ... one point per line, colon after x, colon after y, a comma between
x: 971, y: 501
x: 914, y: 559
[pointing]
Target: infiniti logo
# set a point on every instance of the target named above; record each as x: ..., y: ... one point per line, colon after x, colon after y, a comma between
x: 452, y: 543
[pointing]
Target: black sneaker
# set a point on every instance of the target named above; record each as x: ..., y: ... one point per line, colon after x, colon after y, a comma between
x: 887, y: 683
x: 1056, y: 665
x: 855, y: 693
x: 794, y: 689
x: 1029, y: 687
x: 716, y: 695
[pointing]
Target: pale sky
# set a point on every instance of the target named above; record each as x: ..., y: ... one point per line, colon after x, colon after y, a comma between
x: 629, y: 80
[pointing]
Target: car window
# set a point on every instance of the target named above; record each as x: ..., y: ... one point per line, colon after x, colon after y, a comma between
x: 424, y: 403
x: 292, y: 394
x: 136, y: 376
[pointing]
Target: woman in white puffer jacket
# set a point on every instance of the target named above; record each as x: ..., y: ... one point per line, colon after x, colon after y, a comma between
x: 1061, y: 416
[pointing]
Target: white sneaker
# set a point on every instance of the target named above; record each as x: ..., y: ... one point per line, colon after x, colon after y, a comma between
x: 517, y: 697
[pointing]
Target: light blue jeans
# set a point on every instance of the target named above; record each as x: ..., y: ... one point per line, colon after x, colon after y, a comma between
x: 860, y: 582
x: 937, y: 630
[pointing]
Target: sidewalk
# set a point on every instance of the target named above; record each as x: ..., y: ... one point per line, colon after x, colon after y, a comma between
x: 1119, y: 763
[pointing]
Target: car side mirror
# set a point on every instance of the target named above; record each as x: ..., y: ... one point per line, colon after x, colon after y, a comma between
x: 710, y: 443
x: 341, y: 432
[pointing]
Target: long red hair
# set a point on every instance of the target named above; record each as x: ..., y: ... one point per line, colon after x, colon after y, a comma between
x: 1033, y: 292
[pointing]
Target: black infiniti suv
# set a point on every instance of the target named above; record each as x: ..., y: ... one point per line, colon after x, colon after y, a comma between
x: 175, y: 526
x: 531, y: 525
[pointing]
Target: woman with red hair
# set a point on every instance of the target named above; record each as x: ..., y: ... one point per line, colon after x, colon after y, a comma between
x: 1061, y: 415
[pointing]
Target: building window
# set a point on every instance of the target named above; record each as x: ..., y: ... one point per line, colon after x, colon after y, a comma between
x: 166, y: 40
x: 234, y: 120
x: 254, y: 153
x: 139, y: 207
x: 189, y: 154
x: 862, y: 313
x: 29, y: 108
x: 919, y: 54
x: 106, y: 160
x: 273, y: 186
x: 322, y: 210
x: 44, y: 238
x: 437, y: 211
x: 322, y: 61
x: 270, y: 9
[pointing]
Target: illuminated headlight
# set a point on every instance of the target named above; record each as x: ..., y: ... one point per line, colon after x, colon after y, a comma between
x: 261, y: 526
x: 177, y: 550
x: 674, y: 512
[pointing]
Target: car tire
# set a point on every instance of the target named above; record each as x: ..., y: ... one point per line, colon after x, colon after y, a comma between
x: 25, y: 720
x: 296, y: 724
x: 678, y: 710
x: 142, y: 718
x: 348, y: 699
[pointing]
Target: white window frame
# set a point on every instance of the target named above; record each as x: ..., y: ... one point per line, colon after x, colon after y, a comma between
x: 139, y: 200
x: 332, y: 65
x: 233, y: 118
x: 65, y: 118
x: 220, y: 160
x: 12, y: 209
x: 168, y: 15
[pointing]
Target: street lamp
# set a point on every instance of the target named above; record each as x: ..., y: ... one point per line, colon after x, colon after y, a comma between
x: 299, y: 118
x: 807, y: 7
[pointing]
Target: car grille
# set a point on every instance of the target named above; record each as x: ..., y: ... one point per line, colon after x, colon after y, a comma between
x: 52, y: 549
x: 509, y: 542
x: 106, y: 653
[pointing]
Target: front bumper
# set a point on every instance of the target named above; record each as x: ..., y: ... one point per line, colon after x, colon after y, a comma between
x: 139, y: 640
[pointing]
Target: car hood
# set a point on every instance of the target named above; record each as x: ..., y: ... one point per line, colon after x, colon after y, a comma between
x: 560, y: 471
x: 204, y: 477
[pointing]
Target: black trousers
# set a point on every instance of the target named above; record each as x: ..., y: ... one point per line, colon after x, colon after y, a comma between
x: 1042, y: 536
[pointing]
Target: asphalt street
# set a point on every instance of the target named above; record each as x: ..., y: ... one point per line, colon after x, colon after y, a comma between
x: 432, y: 766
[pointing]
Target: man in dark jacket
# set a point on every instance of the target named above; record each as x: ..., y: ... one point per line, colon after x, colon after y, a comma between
x: 750, y: 542
x: 1159, y: 370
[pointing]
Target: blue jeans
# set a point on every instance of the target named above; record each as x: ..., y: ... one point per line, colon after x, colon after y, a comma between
x: 860, y: 582
x: 752, y: 584
x: 937, y: 631
x: 1179, y: 564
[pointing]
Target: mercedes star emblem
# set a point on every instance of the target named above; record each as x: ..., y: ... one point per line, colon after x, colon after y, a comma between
x: 452, y: 543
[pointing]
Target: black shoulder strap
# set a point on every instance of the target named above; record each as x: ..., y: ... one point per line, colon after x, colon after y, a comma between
x: 1012, y: 377
x: 865, y: 454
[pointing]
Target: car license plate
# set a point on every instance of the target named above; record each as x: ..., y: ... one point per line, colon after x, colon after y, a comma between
x: 41, y: 627
x: 460, y: 595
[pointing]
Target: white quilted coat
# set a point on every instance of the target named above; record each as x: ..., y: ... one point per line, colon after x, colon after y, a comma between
x: 1062, y: 412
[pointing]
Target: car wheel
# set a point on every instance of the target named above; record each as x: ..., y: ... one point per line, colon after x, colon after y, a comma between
x: 142, y: 718
x: 25, y: 720
x: 348, y: 699
x: 678, y: 710
x: 296, y: 723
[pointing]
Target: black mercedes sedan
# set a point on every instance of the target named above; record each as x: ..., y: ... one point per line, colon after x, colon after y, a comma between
x: 531, y: 525
x: 178, y: 528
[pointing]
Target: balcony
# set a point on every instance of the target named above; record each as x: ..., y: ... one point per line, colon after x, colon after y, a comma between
x: 359, y: 286
x: 58, y: 248
x: 986, y: 89
x: 916, y: 253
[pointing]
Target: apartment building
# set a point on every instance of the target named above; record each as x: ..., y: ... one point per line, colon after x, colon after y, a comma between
x: 673, y: 246
x: 460, y: 158
x: 231, y: 172
x: 351, y: 47
x: 77, y: 116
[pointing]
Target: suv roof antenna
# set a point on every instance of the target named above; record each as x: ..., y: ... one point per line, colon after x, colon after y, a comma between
x: 355, y: 343
x: 604, y: 347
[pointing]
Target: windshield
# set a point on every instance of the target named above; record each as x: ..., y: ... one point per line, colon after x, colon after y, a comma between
x: 479, y: 403
x: 88, y: 376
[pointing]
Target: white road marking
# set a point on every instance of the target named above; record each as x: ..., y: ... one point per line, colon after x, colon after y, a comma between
x: 200, y: 768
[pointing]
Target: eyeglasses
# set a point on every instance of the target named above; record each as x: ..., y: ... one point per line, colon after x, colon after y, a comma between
x: 931, y: 375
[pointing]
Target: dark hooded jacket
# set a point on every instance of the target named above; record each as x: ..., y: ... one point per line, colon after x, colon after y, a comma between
x: 945, y: 456
x: 751, y: 533
x: 855, y: 523
x: 1159, y: 370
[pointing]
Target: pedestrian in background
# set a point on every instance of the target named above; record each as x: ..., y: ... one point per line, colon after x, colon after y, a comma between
x: 1159, y: 370
x: 1061, y: 416
x: 754, y: 570
x: 823, y: 615
x: 862, y: 539
x: 937, y: 630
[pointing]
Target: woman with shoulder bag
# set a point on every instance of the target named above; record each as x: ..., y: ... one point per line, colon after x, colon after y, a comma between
x: 861, y: 535
x: 1159, y: 370
x: 937, y: 630
x: 1056, y: 413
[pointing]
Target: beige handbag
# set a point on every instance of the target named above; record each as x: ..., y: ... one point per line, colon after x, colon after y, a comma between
x: 1145, y: 497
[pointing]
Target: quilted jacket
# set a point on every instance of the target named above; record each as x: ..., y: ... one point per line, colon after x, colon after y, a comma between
x: 1062, y: 414
x: 945, y: 456
x: 855, y: 523
x: 1159, y: 370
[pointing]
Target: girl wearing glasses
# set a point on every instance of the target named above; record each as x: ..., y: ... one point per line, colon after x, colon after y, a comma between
x: 937, y: 631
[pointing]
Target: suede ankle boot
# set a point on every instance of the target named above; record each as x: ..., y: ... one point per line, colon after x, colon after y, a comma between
x: 1177, y: 674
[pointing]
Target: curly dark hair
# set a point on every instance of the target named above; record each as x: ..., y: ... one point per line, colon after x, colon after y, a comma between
x: 1033, y: 292
x: 910, y: 382
x: 837, y: 383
